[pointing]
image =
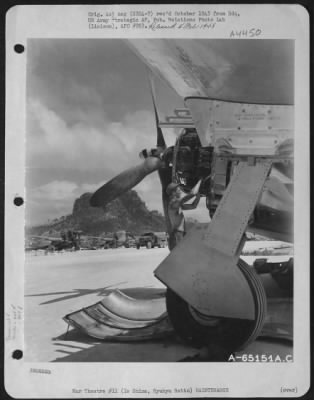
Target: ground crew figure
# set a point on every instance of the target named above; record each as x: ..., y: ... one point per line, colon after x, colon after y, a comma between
x: 177, y: 203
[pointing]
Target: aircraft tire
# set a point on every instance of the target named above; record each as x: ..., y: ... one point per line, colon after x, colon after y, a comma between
x: 229, y: 334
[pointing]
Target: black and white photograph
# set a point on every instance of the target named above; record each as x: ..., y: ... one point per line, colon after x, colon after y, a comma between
x: 158, y: 201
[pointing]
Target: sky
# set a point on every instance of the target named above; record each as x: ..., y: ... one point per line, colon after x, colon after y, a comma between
x: 89, y: 114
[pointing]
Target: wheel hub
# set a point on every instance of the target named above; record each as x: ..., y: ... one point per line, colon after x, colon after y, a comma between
x: 203, y: 319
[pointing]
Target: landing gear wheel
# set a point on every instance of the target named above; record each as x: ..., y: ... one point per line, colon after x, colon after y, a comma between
x: 149, y: 245
x: 229, y: 334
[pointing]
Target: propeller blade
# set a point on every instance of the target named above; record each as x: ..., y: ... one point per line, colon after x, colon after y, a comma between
x: 165, y: 179
x: 160, y: 137
x: 125, y: 181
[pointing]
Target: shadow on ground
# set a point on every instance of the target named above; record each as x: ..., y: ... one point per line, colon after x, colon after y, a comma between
x: 103, y: 291
x: 74, y: 345
x: 140, y: 293
x: 167, y: 349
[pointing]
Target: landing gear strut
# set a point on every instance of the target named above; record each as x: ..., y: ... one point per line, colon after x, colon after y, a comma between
x: 205, y: 277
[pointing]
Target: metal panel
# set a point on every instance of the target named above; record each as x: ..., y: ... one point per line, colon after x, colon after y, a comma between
x: 128, y: 307
x: 176, y: 124
x: 92, y: 327
x: 105, y: 316
x: 245, y: 128
x: 119, y: 317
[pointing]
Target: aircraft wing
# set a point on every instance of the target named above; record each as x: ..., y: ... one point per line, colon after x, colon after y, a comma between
x: 239, y: 93
x: 106, y: 239
x: 45, y: 237
x: 249, y: 71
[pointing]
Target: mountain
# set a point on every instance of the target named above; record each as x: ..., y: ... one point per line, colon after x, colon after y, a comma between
x: 128, y: 212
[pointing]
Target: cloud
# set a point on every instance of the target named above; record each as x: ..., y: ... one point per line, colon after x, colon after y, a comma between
x: 150, y: 192
x: 53, y: 143
x: 56, y: 190
x: 49, y: 201
x: 90, y: 187
x: 96, y: 77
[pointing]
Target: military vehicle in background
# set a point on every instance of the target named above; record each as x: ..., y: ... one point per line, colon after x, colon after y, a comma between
x: 152, y: 239
x: 124, y: 239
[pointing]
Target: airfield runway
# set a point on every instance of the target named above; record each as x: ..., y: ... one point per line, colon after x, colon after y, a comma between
x: 60, y: 283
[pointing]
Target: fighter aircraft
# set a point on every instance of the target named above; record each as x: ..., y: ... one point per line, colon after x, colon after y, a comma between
x: 237, y: 132
x: 67, y: 240
x: 89, y: 242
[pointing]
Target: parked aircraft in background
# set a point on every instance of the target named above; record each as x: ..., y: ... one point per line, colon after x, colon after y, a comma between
x: 68, y: 240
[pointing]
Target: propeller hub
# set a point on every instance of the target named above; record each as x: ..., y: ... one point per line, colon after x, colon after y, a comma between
x: 156, y: 152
